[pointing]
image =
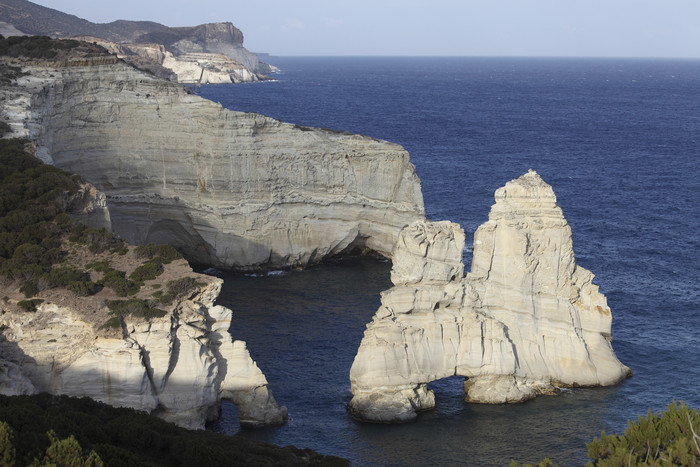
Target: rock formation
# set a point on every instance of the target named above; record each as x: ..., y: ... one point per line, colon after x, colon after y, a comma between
x: 526, y: 321
x: 230, y: 189
x: 178, y: 367
x: 221, y: 57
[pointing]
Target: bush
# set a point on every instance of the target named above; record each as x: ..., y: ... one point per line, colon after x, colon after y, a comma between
x: 176, y: 288
x: 669, y: 438
x: 29, y: 289
x: 165, y: 253
x: 103, y: 266
x: 81, y: 288
x: 114, y: 322
x: 117, y: 281
x: 147, y: 271
x: 135, y: 307
x: 30, y: 305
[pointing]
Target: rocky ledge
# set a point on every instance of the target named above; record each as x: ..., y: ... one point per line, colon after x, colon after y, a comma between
x: 526, y: 321
x: 178, y: 366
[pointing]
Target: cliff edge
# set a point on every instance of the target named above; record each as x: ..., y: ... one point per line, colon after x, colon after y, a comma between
x: 230, y: 189
x: 207, y: 53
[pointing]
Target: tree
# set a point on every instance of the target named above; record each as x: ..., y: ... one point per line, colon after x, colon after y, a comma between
x: 669, y: 438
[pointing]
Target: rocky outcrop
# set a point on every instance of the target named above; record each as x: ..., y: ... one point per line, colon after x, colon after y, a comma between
x: 178, y: 367
x: 220, y: 45
x: 184, y: 67
x: 526, y: 321
x: 230, y: 189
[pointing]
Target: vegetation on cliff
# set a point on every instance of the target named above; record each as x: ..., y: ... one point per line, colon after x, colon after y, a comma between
x: 667, y: 438
x: 43, y: 249
x: 60, y: 430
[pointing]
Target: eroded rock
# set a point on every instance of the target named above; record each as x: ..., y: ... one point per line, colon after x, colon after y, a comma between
x: 230, y: 189
x: 525, y: 321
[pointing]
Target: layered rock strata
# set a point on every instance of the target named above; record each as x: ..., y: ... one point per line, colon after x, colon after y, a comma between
x: 525, y: 321
x: 131, y: 38
x: 178, y: 367
x: 230, y: 189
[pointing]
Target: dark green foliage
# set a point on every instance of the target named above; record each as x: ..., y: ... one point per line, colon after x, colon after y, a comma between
x: 34, y: 46
x: 98, y: 240
x: 114, y: 322
x: 121, y: 436
x: 117, y: 281
x: 669, y: 438
x: 29, y: 289
x: 30, y: 305
x: 7, y: 448
x: 176, y: 288
x: 147, y: 271
x: 100, y: 266
x: 164, y: 253
x: 135, y: 307
x: 68, y: 452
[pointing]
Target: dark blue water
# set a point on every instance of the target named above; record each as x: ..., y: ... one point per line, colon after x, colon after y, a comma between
x: 619, y: 141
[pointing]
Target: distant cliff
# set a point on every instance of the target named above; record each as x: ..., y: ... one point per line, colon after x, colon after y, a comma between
x: 230, y: 189
x: 130, y: 37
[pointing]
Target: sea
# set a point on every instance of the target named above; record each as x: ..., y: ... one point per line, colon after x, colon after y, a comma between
x: 618, y: 140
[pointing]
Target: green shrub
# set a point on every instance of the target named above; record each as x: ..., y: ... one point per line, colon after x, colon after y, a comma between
x: 117, y: 281
x: 135, y: 307
x: 7, y: 449
x: 82, y: 288
x: 30, y: 305
x: 147, y: 271
x: 67, y: 452
x: 62, y: 276
x: 103, y: 266
x: 669, y: 438
x: 165, y: 253
x: 29, y: 289
x: 114, y: 322
x: 177, y: 288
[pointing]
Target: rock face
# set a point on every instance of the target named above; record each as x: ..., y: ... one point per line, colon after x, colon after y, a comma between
x: 19, y: 17
x: 184, y: 67
x: 178, y: 367
x: 230, y: 189
x: 526, y: 320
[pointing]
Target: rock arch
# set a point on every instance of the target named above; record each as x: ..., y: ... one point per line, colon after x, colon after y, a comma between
x: 525, y: 321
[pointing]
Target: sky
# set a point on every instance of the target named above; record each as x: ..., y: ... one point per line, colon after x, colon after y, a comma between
x: 563, y: 28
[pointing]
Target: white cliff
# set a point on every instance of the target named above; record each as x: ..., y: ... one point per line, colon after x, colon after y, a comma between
x: 191, y: 67
x: 526, y: 321
x: 178, y: 367
x: 231, y: 189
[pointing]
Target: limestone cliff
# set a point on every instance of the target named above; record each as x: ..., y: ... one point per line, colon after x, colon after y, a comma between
x: 526, y: 321
x: 213, y: 40
x: 230, y: 189
x: 178, y: 367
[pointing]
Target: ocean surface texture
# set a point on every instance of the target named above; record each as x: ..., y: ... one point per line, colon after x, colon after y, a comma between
x: 619, y: 141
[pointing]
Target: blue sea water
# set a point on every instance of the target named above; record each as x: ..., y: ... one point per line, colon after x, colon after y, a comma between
x: 619, y: 141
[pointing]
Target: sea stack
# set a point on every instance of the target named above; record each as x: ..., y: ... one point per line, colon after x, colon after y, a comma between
x: 525, y: 321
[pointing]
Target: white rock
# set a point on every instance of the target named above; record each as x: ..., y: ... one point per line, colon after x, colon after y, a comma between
x: 230, y: 189
x: 524, y: 322
x: 178, y: 367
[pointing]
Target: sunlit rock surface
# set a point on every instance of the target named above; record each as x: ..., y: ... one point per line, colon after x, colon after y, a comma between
x: 230, y: 189
x: 526, y: 321
x: 178, y: 367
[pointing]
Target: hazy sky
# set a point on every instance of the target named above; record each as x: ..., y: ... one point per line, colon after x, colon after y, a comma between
x: 620, y: 28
